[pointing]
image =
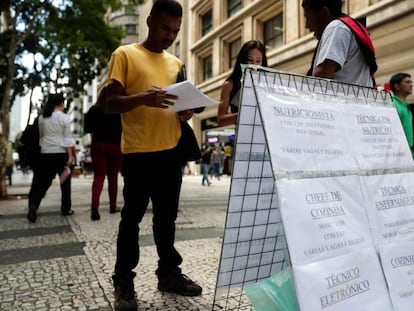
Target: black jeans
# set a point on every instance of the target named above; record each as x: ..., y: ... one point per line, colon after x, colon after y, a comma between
x: 48, y: 165
x: 156, y: 176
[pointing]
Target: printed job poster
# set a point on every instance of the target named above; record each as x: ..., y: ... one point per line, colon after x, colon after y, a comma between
x: 305, y: 135
x: 323, y: 217
x: 323, y: 166
x: 353, y: 281
x: 314, y: 134
x: 390, y: 206
x: 377, y: 137
x: 398, y: 264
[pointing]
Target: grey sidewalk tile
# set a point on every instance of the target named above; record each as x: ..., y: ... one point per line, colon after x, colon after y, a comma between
x: 82, y: 280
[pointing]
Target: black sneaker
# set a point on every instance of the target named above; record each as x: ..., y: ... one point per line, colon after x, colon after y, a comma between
x: 69, y: 212
x: 114, y: 210
x: 31, y: 215
x: 125, y: 296
x: 95, y: 214
x: 179, y: 284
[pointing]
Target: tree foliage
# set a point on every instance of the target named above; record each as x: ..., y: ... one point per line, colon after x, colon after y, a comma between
x: 68, y: 41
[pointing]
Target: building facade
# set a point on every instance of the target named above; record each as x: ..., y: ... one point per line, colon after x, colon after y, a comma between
x: 220, y: 27
x: 127, y: 17
x: 213, y: 31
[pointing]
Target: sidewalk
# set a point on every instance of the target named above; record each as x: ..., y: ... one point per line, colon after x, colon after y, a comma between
x: 66, y: 263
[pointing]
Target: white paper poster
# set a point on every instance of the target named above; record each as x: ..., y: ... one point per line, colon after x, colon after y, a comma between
x: 377, y: 137
x: 303, y: 133
x: 398, y: 264
x: 323, y: 217
x: 390, y: 206
x: 329, y: 161
x: 350, y: 282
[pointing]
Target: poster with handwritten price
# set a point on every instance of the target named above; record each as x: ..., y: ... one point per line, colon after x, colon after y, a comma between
x: 329, y: 211
x: 390, y: 206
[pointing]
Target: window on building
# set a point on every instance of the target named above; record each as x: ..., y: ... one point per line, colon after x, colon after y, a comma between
x: 131, y: 29
x: 273, y: 32
x: 233, y: 6
x: 130, y: 10
x: 207, y: 23
x: 234, y: 48
x: 207, y: 67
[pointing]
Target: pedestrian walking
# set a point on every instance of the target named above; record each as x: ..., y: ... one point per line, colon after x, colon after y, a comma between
x: 9, y: 162
x: 55, y: 140
x: 206, y: 151
x: 216, y: 159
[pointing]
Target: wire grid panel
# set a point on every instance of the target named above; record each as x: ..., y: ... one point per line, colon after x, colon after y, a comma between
x: 353, y: 124
x: 254, y: 246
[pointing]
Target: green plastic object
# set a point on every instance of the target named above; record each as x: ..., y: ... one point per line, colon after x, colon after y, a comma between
x: 276, y: 293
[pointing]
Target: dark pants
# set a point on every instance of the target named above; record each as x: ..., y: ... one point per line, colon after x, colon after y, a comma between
x: 156, y: 176
x: 44, y: 172
x: 106, y: 161
x: 9, y: 173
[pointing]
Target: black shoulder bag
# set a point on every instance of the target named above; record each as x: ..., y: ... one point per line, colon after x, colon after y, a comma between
x: 187, y: 145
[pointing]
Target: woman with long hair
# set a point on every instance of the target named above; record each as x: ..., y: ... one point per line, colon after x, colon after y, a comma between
x: 252, y: 52
x: 55, y: 140
x: 106, y: 153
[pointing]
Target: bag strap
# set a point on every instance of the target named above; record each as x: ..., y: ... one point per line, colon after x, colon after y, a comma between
x: 364, y: 41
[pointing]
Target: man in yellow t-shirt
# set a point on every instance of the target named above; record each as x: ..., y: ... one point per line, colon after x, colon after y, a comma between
x: 151, y: 161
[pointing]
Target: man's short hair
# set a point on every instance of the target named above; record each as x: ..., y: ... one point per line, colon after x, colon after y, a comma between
x: 397, y: 79
x: 171, y: 7
x: 334, y: 6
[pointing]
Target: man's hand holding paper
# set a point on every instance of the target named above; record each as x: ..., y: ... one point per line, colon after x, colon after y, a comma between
x: 189, y: 97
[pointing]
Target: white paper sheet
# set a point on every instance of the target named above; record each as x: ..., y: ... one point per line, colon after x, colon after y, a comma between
x: 189, y: 97
x: 350, y: 282
x: 377, y: 137
x: 398, y: 262
x: 305, y: 136
x: 323, y: 217
x: 390, y: 206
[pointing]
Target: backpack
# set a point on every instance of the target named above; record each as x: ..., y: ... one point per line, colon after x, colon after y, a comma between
x: 30, y: 143
x: 90, y: 119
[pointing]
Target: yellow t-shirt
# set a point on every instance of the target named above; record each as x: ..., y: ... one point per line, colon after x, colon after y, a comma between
x: 145, y: 129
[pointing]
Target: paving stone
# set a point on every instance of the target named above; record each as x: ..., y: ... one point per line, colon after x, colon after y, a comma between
x: 82, y: 281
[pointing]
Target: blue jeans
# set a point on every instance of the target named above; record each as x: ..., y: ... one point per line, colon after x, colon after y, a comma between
x: 205, y: 167
x: 156, y: 176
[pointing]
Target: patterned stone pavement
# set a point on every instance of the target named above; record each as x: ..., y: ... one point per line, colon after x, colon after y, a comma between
x: 65, y: 263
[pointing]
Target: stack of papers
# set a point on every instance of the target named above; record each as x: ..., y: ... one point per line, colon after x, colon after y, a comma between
x: 189, y: 97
